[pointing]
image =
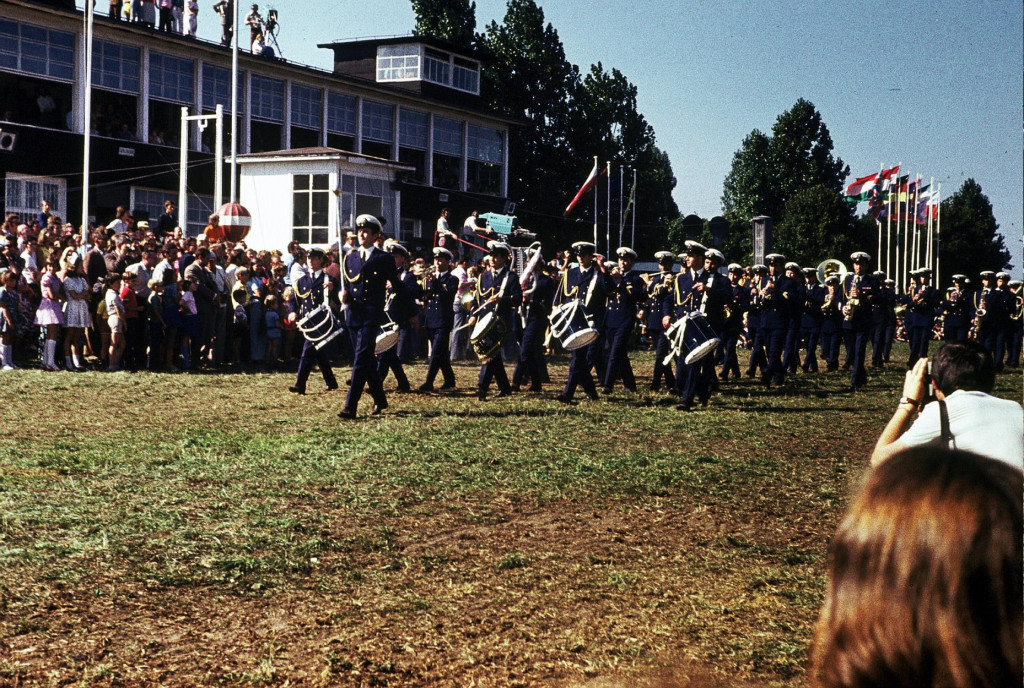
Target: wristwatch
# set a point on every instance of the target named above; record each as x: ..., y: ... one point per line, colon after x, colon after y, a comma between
x: 912, y: 402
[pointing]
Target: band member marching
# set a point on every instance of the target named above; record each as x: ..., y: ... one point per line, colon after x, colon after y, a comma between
x: 497, y: 292
x: 588, y: 284
x: 921, y: 300
x: 882, y: 313
x: 400, y: 307
x: 956, y: 311
x: 659, y: 289
x: 438, y: 299
x: 627, y: 294
x: 366, y: 271
x: 312, y: 291
x: 537, y: 301
x: 733, y: 327
x: 832, y: 323
x: 791, y: 349
x: 777, y: 297
x: 755, y: 318
x: 857, y: 295
x: 811, y: 318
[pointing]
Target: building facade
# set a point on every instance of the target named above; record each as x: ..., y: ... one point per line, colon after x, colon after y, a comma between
x: 406, y: 108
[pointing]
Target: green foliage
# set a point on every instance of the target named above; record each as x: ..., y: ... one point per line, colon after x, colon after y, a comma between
x: 449, y: 20
x: 790, y: 170
x: 970, y: 242
x: 818, y: 225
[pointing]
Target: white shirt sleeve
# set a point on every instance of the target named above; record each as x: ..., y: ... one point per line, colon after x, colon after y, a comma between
x: 925, y: 429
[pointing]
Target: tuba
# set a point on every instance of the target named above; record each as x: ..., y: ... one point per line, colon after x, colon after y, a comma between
x: 830, y: 266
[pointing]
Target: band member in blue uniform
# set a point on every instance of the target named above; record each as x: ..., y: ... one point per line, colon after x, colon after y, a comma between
x: 956, y: 311
x: 777, y: 299
x: 1015, y: 338
x: 497, y: 291
x: 791, y: 349
x: 811, y: 317
x: 832, y: 323
x: 311, y: 291
x: 439, y: 319
x: 922, y: 300
x: 659, y: 289
x: 628, y: 293
x: 733, y: 328
x: 588, y: 284
x: 400, y: 307
x: 537, y: 300
x: 890, y: 319
x: 858, y: 293
x: 884, y: 303
x: 1004, y: 318
x: 755, y: 317
x: 365, y: 274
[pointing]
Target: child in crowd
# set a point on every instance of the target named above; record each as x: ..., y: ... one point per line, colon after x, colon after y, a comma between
x: 240, y: 304
x: 49, y: 313
x: 189, y: 320
x: 172, y: 317
x: 115, y: 320
x: 76, y: 310
x: 155, y: 311
x: 8, y: 318
x: 132, y: 308
x: 273, y: 319
x: 289, y: 324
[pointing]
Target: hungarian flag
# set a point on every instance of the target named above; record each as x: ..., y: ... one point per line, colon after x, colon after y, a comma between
x: 587, y: 186
x: 860, y: 188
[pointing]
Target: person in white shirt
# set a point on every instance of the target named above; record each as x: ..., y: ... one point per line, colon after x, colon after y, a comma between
x: 962, y: 377
x: 460, y: 335
x: 120, y: 222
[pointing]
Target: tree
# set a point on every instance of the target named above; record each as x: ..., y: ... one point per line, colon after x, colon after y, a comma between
x: 453, y: 21
x: 970, y: 241
x: 818, y: 224
x: 769, y: 170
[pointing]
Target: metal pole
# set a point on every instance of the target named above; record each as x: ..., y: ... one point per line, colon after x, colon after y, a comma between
x: 878, y: 256
x: 183, y: 174
x: 218, y: 172
x: 608, y: 215
x: 938, y: 234
x: 234, y: 103
x: 595, y: 205
x: 632, y: 241
x: 622, y: 173
x: 87, y: 138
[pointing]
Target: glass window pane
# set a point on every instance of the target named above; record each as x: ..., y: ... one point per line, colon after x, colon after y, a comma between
x: 412, y: 128
x: 319, y: 206
x: 378, y: 121
x: 321, y: 182
x: 341, y: 114
x: 447, y: 136
x: 300, y: 182
x: 300, y: 209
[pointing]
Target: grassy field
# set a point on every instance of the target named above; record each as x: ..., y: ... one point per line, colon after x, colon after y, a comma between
x: 216, y: 530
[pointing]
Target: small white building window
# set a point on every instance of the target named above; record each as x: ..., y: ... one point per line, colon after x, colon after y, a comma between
x: 311, y: 198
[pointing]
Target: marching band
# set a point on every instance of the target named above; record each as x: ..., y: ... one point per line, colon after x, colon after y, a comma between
x: 694, y: 320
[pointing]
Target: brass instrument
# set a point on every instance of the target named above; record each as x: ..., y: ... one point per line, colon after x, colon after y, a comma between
x: 826, y: 306
x: 830, y: 266
x: 853, y: 303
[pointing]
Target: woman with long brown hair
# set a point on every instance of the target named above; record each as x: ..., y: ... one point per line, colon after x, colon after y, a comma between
x: 925, y: 578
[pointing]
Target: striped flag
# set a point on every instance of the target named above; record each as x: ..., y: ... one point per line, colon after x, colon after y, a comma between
x: 860, y: 188
x: 587, y: 186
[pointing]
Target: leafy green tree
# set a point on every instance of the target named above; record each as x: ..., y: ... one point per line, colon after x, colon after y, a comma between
x: 970, y: 241
x: 818, y: 224
x: 449, y: 20
x: 770, y: 170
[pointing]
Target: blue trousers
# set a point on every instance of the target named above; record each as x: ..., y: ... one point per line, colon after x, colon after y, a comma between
x: 661, y: 371
x: 391, y: 360
x: 791, y: 349
x: 775, y: 341
x: 440, y: 356
x: 579, y: 374
x: 811, y: 359
x: 856, y: 350
x: 919, y: 336
x: 494, y: 370
x: 618, y: 366
x: 364, y: 367
x: 531, y: 355
x: 310, y: 355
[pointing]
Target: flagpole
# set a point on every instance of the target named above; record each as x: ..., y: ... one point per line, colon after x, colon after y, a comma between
x: 632, y: 198
x: 888, y: 241
x: 87, y: 138
x: 608, y: 215
x: 938, y: 233
x: 878, y: 256
x: 622, y: 174
x: 595, y: 205
x: 234, y: 103
x: 906, y: 235
x: 929, y: 224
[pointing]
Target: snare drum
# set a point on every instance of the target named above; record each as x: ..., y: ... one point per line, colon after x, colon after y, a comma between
x: 487, y: 335
x: 693, y: 337
x: 387, y: 338
x: 319, y: 326
x: 569, y: 324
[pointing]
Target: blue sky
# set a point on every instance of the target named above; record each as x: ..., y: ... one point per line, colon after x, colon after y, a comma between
x: 936, y: 86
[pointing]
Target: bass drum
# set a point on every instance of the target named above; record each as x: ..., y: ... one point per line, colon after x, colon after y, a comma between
x: 487, y: 335
x: 692, y: 337
x: 319, y: 326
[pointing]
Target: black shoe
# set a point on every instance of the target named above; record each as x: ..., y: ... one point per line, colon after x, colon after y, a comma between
x: 448, y: 385
x: 593, y: 397
x: 403, y: 389
x: 502, y: 393
x: 684, y: 406
x: 654, y: 388
x: 562, y: 399
x: 606, y: 390
x: 331, y: 388
x: 535, y: 388
x: 378, y: 409
x: 347, y: 414
x: 296, y: 390
x: 426, y: 388
x: 723, y: 377
x: 481, y: 394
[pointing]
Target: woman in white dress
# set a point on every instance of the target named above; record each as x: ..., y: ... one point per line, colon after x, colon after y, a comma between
x: 49, y: 314
x: 76, y: 310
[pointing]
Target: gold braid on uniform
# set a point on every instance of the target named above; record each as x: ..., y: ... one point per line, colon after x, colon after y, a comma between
x: 344, y: 271
x: 490, y: 292
x: 680, y: 301
x: 565, y: 287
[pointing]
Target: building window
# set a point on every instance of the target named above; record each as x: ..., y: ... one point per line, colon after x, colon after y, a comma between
x: 485, y: 153
x: 412, y: 142
x: 151, y: 202
x: 410, y: 229
x: 341, y: 114
x: 217, y: 88
x: 378, y: 129
x: 24, y: 192
x: 466, y: 75
x: 436, y: 67
x: 267, y: 99
x: 35, y: 100
x: 115, y: 67
x: 113, y: 115
x: 33, y: 49
x: 311, y: 198
x: 171, y: 78
x: 307, y: 110
x: 398, y: 63
x: 447, y: 153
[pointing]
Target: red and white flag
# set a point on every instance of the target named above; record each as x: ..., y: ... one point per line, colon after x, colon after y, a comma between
x: 587, y: 186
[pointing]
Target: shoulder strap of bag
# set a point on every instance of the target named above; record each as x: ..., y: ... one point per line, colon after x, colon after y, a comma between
x: 947, y: 437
